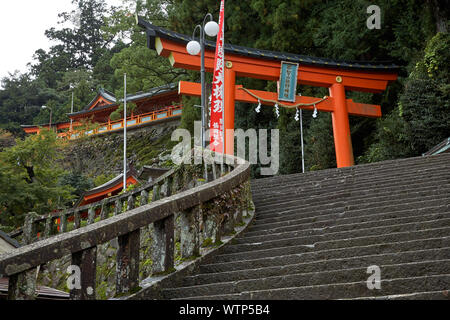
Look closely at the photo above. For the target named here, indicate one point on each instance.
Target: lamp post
(50, 125)
(301, 137)
(211, 28)
(124, 132)
(71, 110)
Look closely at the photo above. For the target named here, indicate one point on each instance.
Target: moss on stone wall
(103, 154)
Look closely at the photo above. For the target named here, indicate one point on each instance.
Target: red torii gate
(338, 76)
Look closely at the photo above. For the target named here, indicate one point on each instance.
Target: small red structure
(108, 189)
(158, 104)
(115, 185)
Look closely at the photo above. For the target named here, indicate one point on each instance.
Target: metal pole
(301, 137)
(202, 77)
(124, 132)
(71, 111)
(203, 103)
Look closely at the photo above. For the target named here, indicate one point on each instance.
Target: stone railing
(198, 196)
(38, 227)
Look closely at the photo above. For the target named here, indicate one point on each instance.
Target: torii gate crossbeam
(338, 76)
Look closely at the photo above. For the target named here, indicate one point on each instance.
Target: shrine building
(157, 105)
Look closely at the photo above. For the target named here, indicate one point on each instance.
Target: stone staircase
(315, 235)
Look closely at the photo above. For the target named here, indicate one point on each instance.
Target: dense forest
(103, 43)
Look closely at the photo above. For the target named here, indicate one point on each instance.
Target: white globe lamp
(193, 48)
(212, 28)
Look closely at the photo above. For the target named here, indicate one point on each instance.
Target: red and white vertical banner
(217, 96)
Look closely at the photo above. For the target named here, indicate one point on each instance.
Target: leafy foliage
(79, 182)
(392, 140)
(422, 117)
(84, 44)
(30, 175)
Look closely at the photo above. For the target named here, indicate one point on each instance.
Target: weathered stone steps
(389, 168)
(335, 244)
(355, 198)
(289, 213)
(337, 225)
(341, 276)
(318, 187)
(296, 238)
(315, 235)
(358, 193)
(395, 248)
(298, 196)
(340, 290)
(323, 265)
(430, 295)
(355, 214)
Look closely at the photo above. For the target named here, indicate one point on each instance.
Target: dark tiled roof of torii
(155, 31)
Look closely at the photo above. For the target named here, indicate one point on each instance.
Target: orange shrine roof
(105, 99)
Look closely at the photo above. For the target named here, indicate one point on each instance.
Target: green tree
(425, 102)
(319, 143)
(422, 116)
(21, 100)
(391, 140)
(79, 182)
(84, 88)
(30, 173)
(84, 43)
(144, 68)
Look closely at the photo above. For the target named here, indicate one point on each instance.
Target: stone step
(377, 175)
(369, 187)
(413, 186)
(286, 211)
(293, 218)
(335, 220)
(337, 225)
(396, 166)
(301, 192)
(300, 200)
(430, 295)
(340, 276)
(296, 238)
(374, 179)
(340, 290)
(334, 244)
(365, 167)
(405, 248)
(337, 192)
(322, 265)
(358, 193)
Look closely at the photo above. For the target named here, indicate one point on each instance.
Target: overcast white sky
(22, 26)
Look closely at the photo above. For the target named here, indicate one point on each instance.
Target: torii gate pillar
(341, 127)
(230, 92)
